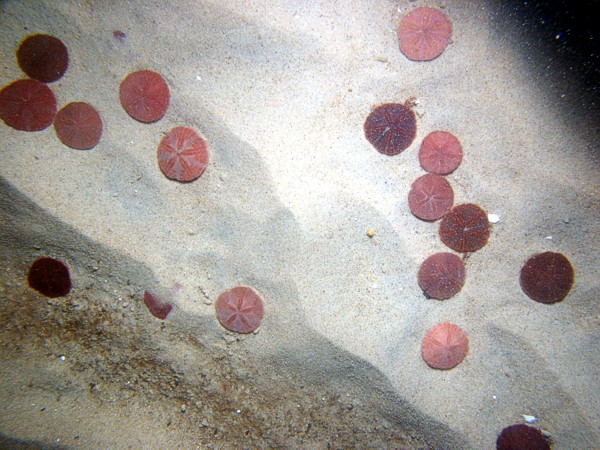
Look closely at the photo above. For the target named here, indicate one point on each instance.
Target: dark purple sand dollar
(43, 57)
(50, 277)
(547, 277)
(391, 128)
(521, 437)
(240, 309)
(430, 197)
(442, 275)
(465, 228)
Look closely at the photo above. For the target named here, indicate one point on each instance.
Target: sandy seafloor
(280, 91)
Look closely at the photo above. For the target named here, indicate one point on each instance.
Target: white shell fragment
(529, 419)
(493, 218)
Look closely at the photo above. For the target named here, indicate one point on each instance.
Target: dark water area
(561, 40)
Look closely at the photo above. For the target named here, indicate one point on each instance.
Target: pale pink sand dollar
(430, 197)
(182, 154)
(424, 33)
(240, 309)
(444, 346)
(440, 153)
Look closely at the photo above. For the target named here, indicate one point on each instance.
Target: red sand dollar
(49, 277)
(547, 277)
(444, 346)
(182, 154)
(391, 128)
(240, 309)
(430, 197)
(440, 153)
(43, 57)
(78, 125)
(158, 307)
(521, 437)
(145, 95)
(27, 105)
(465, 228)
(424, 33)
(442, 275)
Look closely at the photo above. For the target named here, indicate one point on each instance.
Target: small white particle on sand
(549, 238)
(493, 218)
(529, 419)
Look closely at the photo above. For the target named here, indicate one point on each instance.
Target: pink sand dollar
(240, 309)
(430, 197)
(440, 153)
(145, 95)
(424, 33)
(444, 346)
(182, 154)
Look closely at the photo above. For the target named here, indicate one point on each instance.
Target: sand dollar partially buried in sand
(521, 437)
(424, 33)
(444, 346)
(158, 306)
(240, 309)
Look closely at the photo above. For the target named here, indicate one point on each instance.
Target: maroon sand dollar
(521, 437)
(145, 95)
(158, 307)
(440, 153)
(391, 127)
(43, 57)
(465, 228)
(182, 154)
(424, 33)
(50, 277)
(78, 125)
(240, 309)
(547, 277)
(27, 105)
(442, 275)
(430, 197)
(444, 346)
